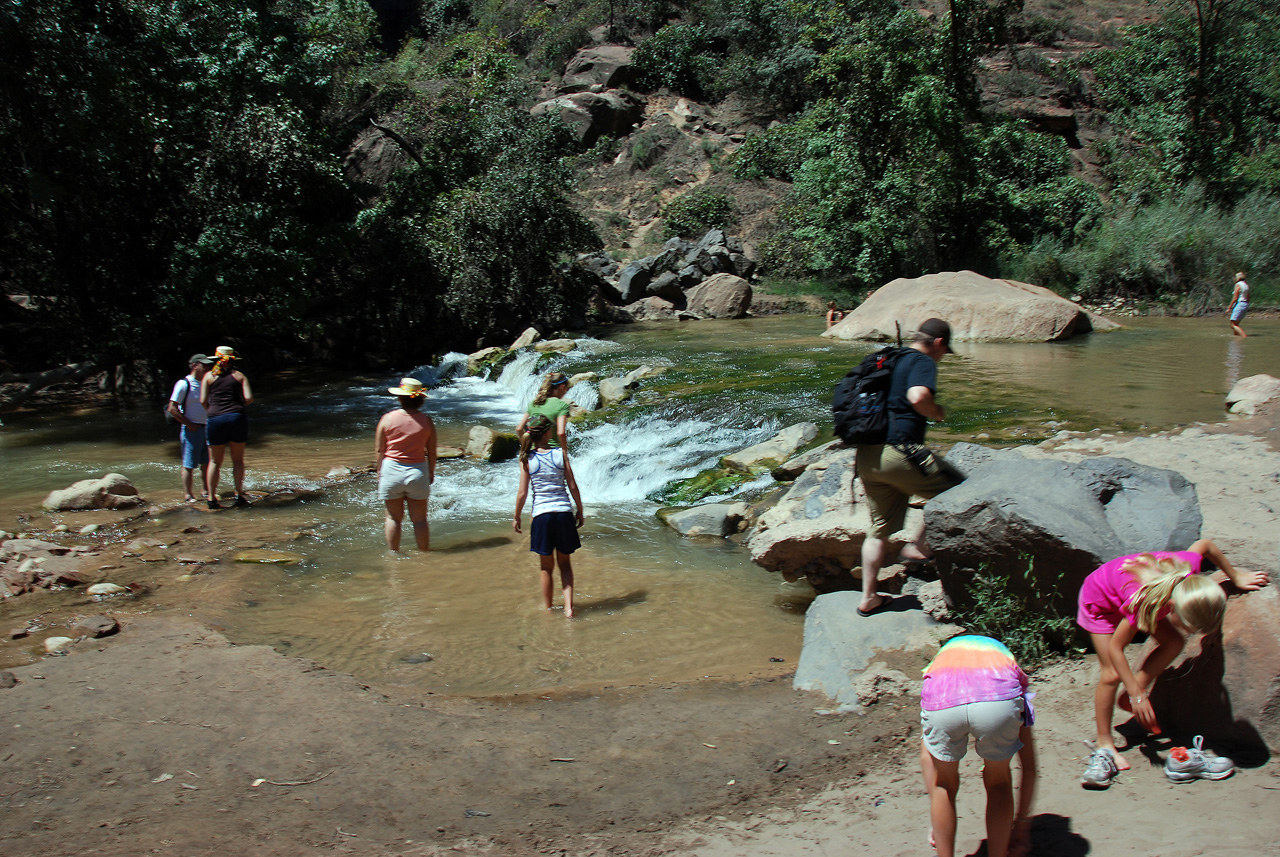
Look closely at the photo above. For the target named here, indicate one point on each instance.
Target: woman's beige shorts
(995, 725)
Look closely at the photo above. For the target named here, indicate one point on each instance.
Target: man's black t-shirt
(913, 369)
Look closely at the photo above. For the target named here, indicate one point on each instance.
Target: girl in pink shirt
(1162, 594)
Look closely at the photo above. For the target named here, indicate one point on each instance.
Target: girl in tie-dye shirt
(974, 687)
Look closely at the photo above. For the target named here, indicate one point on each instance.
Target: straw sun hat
(227, 351)
(408, 387)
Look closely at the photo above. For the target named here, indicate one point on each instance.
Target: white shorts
(995, 725)
(397, 480)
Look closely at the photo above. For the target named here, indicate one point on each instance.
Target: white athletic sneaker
(1101, 771)
(1186, 764)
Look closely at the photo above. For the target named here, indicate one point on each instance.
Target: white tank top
(546, 478)
(1244, 291)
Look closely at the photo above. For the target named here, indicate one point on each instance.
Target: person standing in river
(184, 406)
(1239, 304)
(553, 535)
(406, 446)
(549, 402)
(225, 393)
(902, 466)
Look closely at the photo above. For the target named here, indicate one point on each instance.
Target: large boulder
(592, 115)
(1069, 518)
(1248, 393)
(816, 528)
(1228, 691)
(488, 445)
(602, 66)
(720, 296)
(840, 645)
(652, 309)
(773, 451)
(112, 491)
(615, 390)
(977, 307)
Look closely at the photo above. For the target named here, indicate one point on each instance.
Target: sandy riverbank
(708, 769)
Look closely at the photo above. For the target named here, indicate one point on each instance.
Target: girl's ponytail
(1198, 601)
(553, 379)
(537, 426)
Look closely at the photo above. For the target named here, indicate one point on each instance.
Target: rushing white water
(617, 464)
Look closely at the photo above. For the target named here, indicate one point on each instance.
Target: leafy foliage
(1018, 613)
(692, 214)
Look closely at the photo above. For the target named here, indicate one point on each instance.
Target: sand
(169, 739)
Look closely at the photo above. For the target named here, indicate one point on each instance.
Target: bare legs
(548, 564)
(1237, 330)
(873, 555)
(189, 479)
(942, 781)
(417, 516)
(216, 454)
(1168, 644)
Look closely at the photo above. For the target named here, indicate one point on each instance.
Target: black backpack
(860, 403)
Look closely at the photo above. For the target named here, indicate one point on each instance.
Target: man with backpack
(902, 466)
(184, 407)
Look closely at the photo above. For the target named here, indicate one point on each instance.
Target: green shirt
(551, 409)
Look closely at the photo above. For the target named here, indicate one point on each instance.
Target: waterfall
(617, 464)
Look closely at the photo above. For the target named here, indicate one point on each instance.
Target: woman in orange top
(406, 443)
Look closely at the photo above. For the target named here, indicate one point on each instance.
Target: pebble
(89, 529)
(7, 680)
(268, 556)
(421, 658)
(104, 590)
(96, 626)
(62, 528)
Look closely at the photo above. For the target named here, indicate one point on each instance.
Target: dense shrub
(693, 213)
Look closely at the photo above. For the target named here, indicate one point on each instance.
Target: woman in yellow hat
(406, 443)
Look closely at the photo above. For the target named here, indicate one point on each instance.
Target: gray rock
(560, 346)
(721, 296)
(95, 626)
(979, 309)
(711, 519)
(1248, 393)
(666, 285)
(1070, 518)
(651, 309)
(7, 680)
(615, 390)
(526, 339)
(793, 467)
(592, 115)
(839, 645)
(773, 451)
(112, 491)
(604, 65)
(633, 281)
(32, 547)
(488, 445)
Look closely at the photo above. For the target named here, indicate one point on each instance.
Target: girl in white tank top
(554, 534)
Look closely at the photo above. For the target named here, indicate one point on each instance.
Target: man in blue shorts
(184, 406)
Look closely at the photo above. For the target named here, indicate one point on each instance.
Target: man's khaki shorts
(891, 480)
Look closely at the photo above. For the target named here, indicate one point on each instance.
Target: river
(653, 607)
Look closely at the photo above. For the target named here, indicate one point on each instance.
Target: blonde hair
(1198, 602)
(553, 379)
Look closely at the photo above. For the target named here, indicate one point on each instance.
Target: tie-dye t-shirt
(971, 669)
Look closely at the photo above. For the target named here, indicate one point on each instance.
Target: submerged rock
(712, 519)
(266, 555)
(488, 445)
